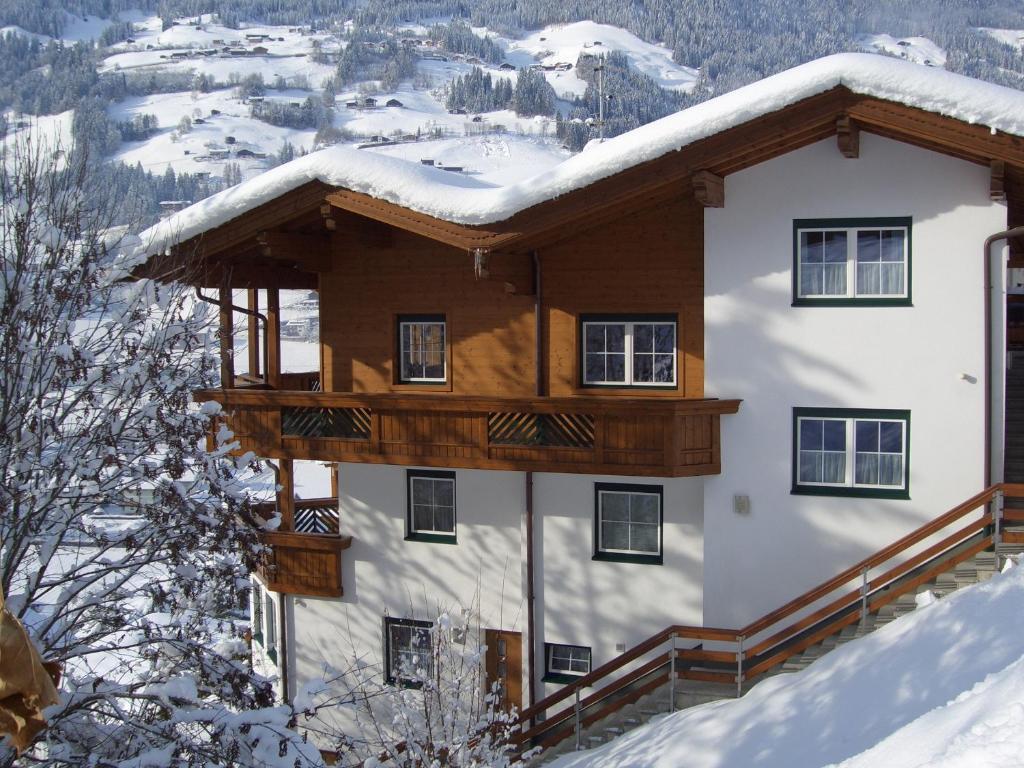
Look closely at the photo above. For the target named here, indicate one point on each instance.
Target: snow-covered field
(943, 686)
(919, 50)
(563, 43)
(1011, 37)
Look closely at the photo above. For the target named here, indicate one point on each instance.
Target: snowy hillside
(942, 686)
(919, 50)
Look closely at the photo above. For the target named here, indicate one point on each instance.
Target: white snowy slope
(919, 50)
(563, 43)
(1011, 37)
(459, 199)
(943, 686)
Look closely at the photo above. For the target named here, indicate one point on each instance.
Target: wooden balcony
(654, 436)
(306, 561)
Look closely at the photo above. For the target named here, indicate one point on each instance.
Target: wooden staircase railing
(737, 656)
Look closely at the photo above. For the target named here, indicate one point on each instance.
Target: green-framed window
(565, 663)
(628, 522)
(842, 262)
(851, 452)
(430, 514)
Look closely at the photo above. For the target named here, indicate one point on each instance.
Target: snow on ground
(497, 159)
(191, 152)
(563, 43)
(1011, 37)
(919, 50)
(943, 686)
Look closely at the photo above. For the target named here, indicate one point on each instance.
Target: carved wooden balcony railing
(656, 436)
(306, 561)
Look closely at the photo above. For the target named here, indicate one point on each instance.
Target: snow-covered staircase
(690, 693)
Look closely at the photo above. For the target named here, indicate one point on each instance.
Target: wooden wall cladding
(646, 262)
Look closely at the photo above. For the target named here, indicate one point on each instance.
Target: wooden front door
(504, 666)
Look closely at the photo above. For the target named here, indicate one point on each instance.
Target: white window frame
(432, 534)
(851, 227)
(550, 655)
(270, 626)
(410, 321)
(602, 491)
(629, 324)
(850, 418)
(256, 620)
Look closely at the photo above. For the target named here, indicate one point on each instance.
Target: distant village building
(507, 67)
(260, 50)
(393, 103)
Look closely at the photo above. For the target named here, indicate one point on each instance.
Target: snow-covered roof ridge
(462, 200)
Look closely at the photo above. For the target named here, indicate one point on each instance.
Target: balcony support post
(254, 333)
(227, 335)
(273, 339)
(286, 496)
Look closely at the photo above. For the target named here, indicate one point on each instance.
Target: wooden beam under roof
(309, 253)
(708, 189)
(847, 137)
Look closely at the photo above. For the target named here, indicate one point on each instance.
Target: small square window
(422, 349)
(565, 663)
(407, 650)
(844, 261)
(431, 506)
(851, 452)
(628, 523)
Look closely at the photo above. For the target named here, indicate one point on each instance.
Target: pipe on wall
(531, 636)
(1006, 234)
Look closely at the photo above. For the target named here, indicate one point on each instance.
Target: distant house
(245, 153)
(369, 102)
(214, 112)
(219, 154)
(256, 38)
(507, 67)
(260, 50)
(351, 105)
(393, 103)
(170, 206)
(229, 139)
(198, 121)
(218, 41)
(457, 111)
(478, 118)
(238, 52)
(425, 161)
(452, 168)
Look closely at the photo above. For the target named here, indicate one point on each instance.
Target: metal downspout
(987, 266)
(531, 637)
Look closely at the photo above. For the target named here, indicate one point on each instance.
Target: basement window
(421, 349)
(851, 261)
(565, 663)
(851, 452)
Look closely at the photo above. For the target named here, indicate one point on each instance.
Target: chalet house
(679, 381)
(393, 103)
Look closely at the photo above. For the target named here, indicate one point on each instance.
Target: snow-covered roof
(463, 200)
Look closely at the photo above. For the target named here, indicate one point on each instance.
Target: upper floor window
(629, 351)
(851, 452)
(422, 349)
(628, 522)
(431, 508)
(844, 261)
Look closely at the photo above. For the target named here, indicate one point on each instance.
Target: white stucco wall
(777, 357)
(383, 574)
(582, 601)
